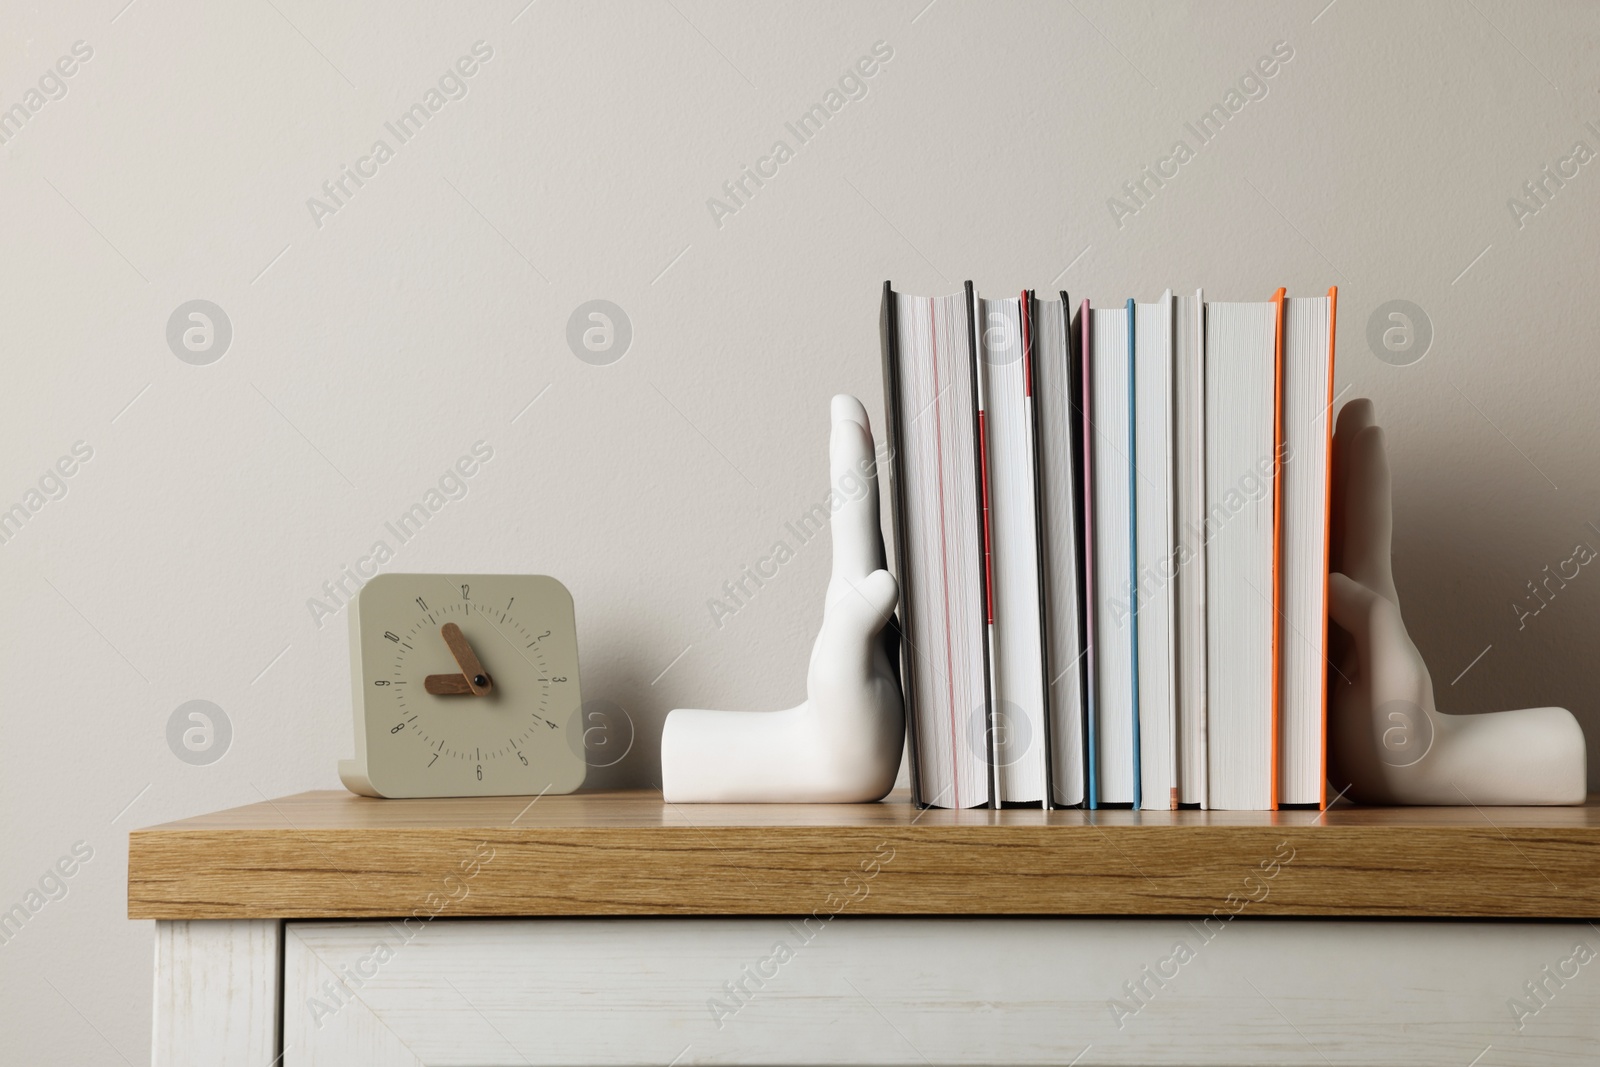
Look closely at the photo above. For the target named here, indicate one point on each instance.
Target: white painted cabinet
(920, 991)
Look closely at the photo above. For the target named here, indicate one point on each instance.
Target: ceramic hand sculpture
(843, 743)
(1386, 738)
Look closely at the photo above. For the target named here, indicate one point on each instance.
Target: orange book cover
(1277, 537)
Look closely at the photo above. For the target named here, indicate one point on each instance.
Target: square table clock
(464, 685)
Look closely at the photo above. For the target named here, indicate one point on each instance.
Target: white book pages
(1189, 456)
(941, 595)
(1240, 456)
(1307, 397)
(1155, 562)
(1055, 384)
(1113, 535)
(1019, 684)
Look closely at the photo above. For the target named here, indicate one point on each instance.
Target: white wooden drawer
(940, 991)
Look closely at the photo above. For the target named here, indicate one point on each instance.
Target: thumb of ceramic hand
(1384, 664)
(851, 623)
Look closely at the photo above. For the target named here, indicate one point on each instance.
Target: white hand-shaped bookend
(1387, 741)
(843, 743)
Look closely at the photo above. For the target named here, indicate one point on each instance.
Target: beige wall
(375, 344)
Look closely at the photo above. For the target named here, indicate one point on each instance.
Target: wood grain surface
(334, 855)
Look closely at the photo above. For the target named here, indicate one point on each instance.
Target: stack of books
(1111, 530)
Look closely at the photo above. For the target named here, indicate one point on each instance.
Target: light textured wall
(373, 345)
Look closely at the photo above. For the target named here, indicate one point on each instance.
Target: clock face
(466, 685)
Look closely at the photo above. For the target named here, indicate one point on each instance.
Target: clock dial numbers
(478, 680)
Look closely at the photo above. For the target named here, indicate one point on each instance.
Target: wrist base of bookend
(776, 757)
(1388, 743)
(1527, 757)
(841, 746)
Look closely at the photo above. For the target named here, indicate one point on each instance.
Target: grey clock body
(523, 738)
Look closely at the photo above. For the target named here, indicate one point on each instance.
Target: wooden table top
(334, 855)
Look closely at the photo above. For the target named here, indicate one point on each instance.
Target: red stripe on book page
(944, 553)
(1027, 347)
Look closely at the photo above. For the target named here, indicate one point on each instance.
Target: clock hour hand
(447, 685)
(478, 680)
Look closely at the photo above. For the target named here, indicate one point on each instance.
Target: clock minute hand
(478, 679)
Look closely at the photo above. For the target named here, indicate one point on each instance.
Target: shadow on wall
(621, 727)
